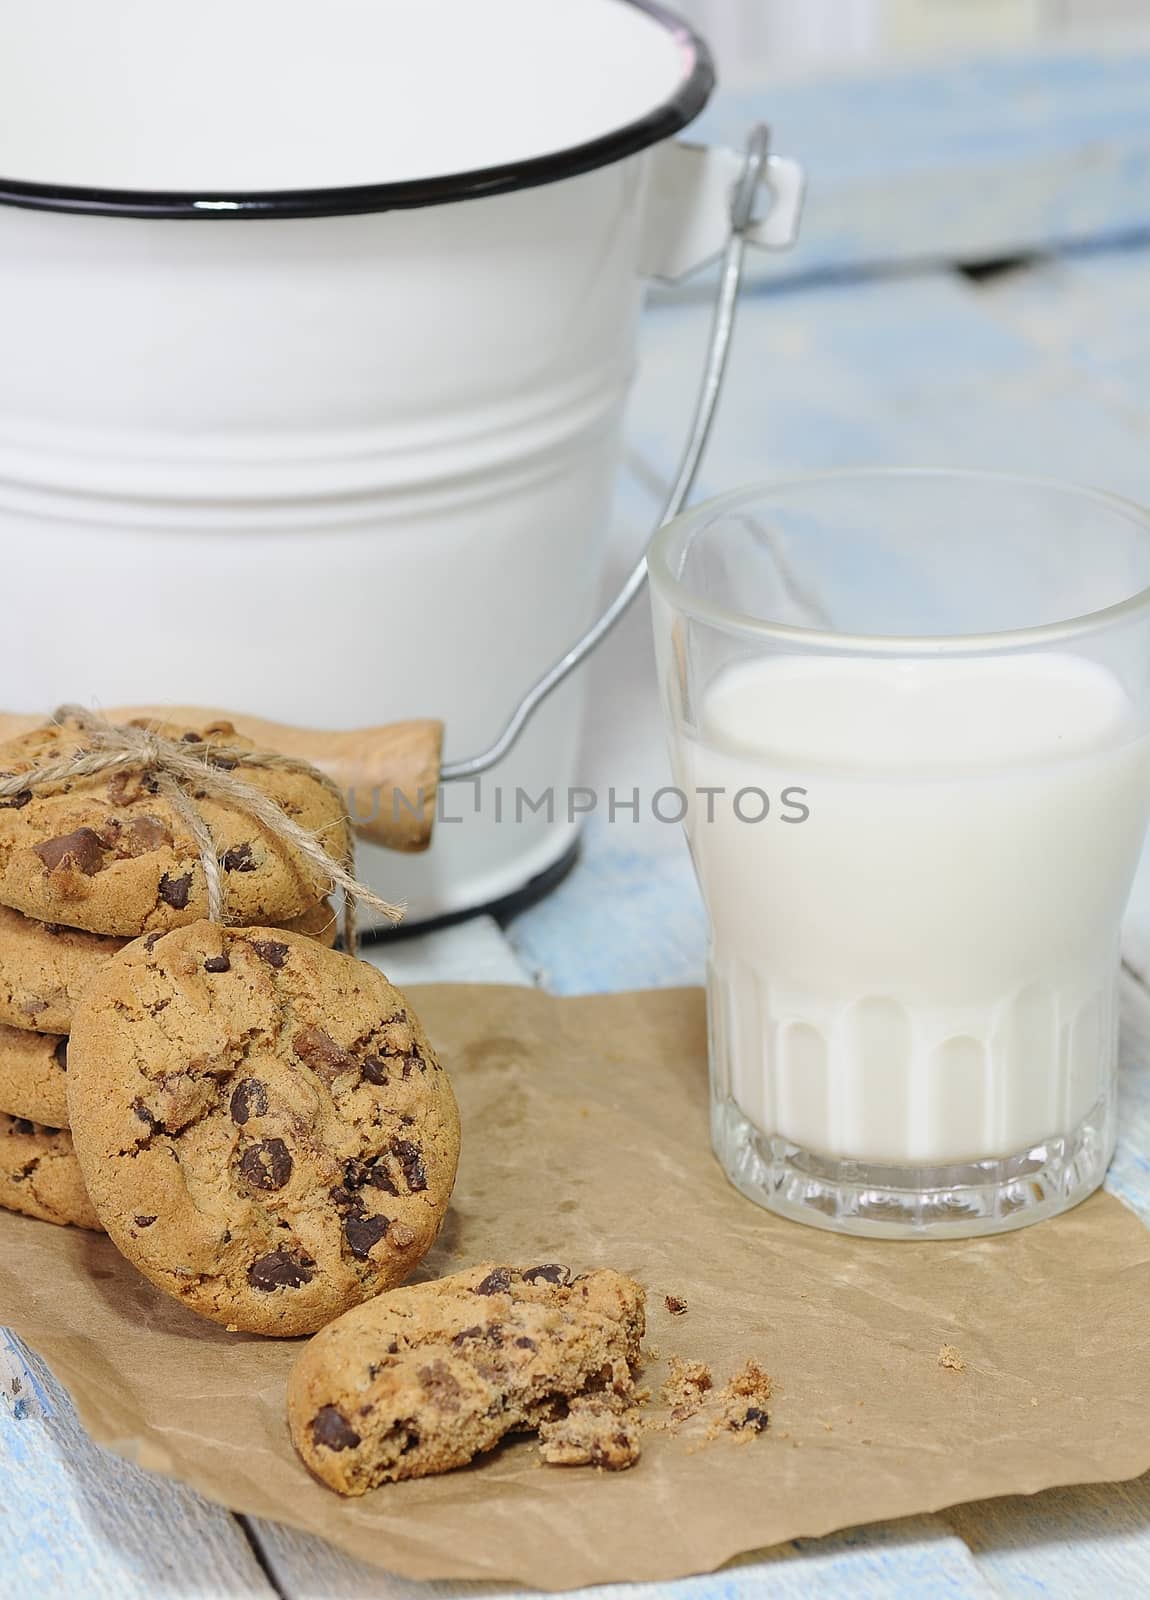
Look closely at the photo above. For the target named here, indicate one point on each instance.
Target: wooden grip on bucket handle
(390, 774)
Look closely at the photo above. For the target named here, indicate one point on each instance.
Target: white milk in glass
(922, 969)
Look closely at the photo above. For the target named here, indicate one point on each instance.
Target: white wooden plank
(913, 1558)
(76, 1519)
(468, 952)
(1074, 1542)
(958, 160)
(1087, 313)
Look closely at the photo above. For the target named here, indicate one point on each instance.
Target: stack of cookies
(259, 1122)
(94, 863)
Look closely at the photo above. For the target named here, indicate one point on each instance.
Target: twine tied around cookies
(183, 771)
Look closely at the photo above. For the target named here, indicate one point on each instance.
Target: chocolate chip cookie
(320, 922)
(44, 967)
(263, 1126)
(40, 1176)
(32, 1075)
(423, 1379)
(112, 854)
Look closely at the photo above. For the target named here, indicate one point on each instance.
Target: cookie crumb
(592, 1434)
(950, 1358)
(686, 1387)
(676, 1305)
(743, 1403)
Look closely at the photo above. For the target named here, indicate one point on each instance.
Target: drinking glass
(909, 714)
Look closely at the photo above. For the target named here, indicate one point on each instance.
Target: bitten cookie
(423, 1379)
(32, 1075)
(44, 967)
(111, 854)
(263, 1126)
(40, 1176)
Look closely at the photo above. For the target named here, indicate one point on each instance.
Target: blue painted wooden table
(882, 339)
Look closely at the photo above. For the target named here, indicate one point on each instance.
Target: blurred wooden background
(753, 36)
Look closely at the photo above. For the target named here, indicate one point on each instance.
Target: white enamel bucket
(317, 323)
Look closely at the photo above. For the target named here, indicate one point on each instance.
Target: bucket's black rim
(661, 123)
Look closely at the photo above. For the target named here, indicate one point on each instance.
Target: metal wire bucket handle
(757, 165)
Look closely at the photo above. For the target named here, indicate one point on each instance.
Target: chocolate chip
(225, 763)
(497, 1282)
(249, 1099)
(22, 1125)
(524, 1343)
(143, 1222)
(238, 859)
(280, 1270)
(362, 1233)
(320, 1051)
(410, 1158)
(143, 1113)
(174, 892)
(359, 1174)
(375, 1071)
(552, 1272)
(60, 1054)
(271, 951)
(192, 738)
(267, 1165)
(331, 1428)
(83, 849)
(217, 964)
(152, 940)
(468, 1333)
(380, 1178)
(16, 802)
(754, 1417)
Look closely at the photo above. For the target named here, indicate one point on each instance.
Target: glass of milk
(910, 713)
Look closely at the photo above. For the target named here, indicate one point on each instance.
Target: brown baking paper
(585, 1140)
